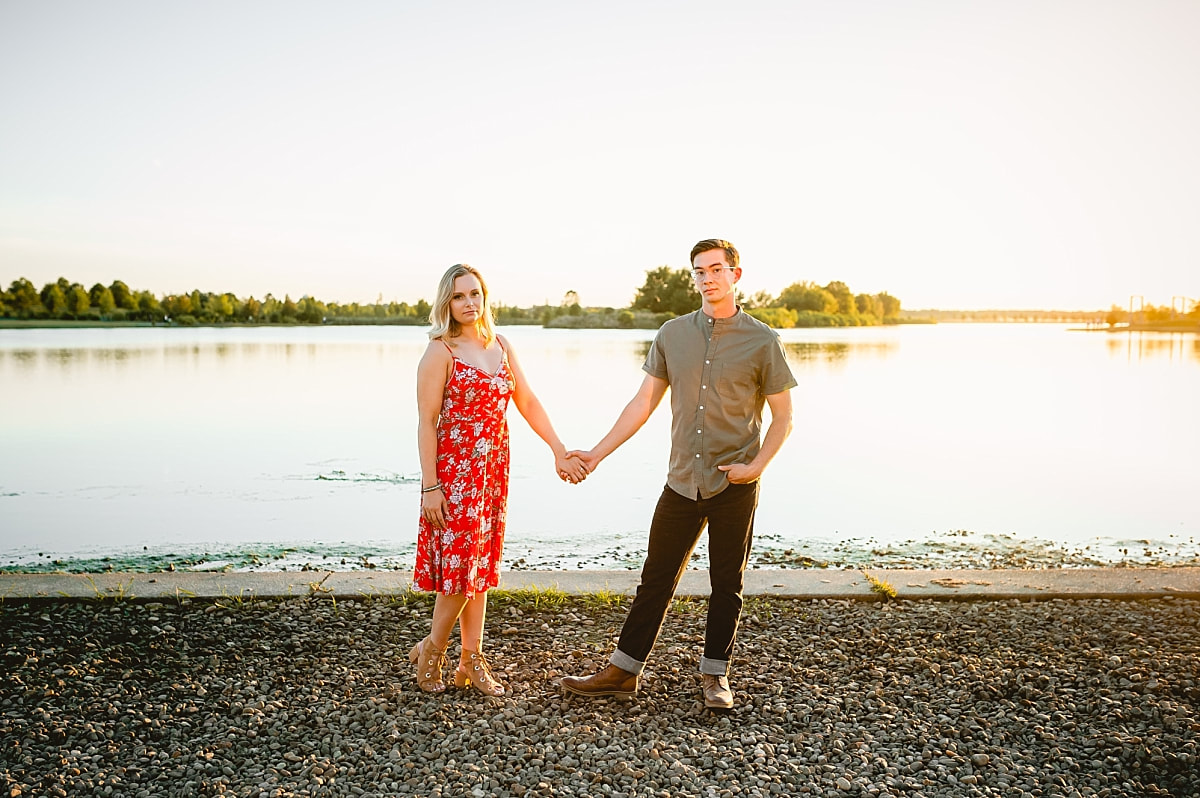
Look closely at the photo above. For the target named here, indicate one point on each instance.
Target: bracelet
(432, 488)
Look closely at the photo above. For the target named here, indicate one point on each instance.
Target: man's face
(714, 277)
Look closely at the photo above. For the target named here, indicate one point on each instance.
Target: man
(720, 364)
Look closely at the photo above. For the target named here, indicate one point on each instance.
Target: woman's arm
(433, 372)
(535, 415)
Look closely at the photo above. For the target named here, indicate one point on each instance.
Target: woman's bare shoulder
(437, 351)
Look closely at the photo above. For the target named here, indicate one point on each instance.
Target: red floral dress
(472, 466)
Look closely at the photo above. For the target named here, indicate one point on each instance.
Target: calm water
(278, 447)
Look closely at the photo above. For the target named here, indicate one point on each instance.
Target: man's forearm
(777, 433)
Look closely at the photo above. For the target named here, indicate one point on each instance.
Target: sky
(956, 154)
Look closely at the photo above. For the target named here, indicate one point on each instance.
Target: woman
(465, 380)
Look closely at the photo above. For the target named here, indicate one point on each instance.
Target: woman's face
(466, 301)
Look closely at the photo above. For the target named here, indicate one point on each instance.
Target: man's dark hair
(731, 253)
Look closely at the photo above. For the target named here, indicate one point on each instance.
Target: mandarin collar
(715, 322)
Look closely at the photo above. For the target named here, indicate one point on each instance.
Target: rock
(285, 697)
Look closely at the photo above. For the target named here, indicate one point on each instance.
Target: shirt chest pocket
(737, 382)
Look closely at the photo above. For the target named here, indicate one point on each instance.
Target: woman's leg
(429, 655)
(446, 610)
(473, 668)
(471, 624)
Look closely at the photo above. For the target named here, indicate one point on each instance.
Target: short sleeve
(656, 362)
(776, 374)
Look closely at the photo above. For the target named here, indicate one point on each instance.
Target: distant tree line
(801, 304)
(64, 300)
(1178, 314)
(666, 293)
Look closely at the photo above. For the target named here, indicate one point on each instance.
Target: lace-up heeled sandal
(475, 672)
(428, 661)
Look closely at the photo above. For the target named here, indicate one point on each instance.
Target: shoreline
(873, 584)
(772, 551)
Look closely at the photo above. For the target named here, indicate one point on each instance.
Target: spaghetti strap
(448, 349)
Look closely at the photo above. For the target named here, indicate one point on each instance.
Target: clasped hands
(571, 467)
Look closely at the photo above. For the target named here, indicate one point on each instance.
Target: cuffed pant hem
(713, 667)
(626, 662)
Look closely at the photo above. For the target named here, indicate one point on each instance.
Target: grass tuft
(880, 586)
(530, 598)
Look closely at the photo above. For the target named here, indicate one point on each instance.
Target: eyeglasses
(715, 272)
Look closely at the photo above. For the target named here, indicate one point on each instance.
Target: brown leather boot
(717, 694)
(610, 681)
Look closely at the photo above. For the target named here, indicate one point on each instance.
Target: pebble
(311, 697)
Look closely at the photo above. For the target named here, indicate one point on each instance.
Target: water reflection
(836, 353)
(25, 359)
(1136, 345)
(803, 352)
(259, 425)
(813, 351)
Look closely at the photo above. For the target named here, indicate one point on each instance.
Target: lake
(292, 447)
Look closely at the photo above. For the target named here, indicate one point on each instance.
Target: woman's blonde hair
(442, 320)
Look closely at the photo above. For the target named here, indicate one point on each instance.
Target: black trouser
(674, 532)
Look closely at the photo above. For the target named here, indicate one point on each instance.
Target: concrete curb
(1074, 583)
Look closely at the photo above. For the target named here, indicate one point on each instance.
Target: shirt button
(704, 387)
(707, 362)
(697, 457)
(699, 431)
(701, 407)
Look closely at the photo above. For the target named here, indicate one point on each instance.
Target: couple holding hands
(721, 365)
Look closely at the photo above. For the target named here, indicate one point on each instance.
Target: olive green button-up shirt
(720, 372)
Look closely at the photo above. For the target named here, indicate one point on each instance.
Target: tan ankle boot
(428, 661)
(475, 672)
(610, 681)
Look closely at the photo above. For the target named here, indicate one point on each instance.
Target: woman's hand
(589, 459)
(433, 508)
(570, 469)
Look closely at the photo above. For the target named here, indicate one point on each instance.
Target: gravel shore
(314, 697)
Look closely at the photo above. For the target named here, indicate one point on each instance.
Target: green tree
(54, 300)
(288, 311)
(570, 304)
(101, 297)
(199, 302)
(310, 310)
(122, 296)
(270, 309)
(779, 318)
(77, 300)
(221, 306)
(177, 305)
(249, 310)
(667, 290)
(845, 299)
(808, 296)
(868, 305)
(423, 309)
(148, 306)
(759, 299)
(889, 305)
(24, 301)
